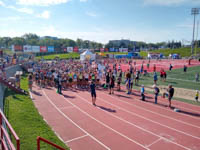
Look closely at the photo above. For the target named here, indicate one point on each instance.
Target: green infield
(26, 120)
(60, 56)
(177, 78)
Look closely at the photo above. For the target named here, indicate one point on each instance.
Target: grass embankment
(60, 56)
(183, 52)
(26, 120)
(178, 79)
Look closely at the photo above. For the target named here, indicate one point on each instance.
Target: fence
(6, 143)
(48, 142)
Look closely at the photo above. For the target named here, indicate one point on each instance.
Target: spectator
(184, 68)
(155, 77)
(156, 92)
(197, 77)
(170, 94)
(170, 67)
(142, 93)
(197, 95)
(93, 92)
(59, 84)
(30, 81)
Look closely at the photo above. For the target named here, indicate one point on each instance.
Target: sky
(100, 20)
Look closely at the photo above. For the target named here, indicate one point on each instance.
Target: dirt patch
(179, 92)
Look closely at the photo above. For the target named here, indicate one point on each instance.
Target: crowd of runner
(64, 74)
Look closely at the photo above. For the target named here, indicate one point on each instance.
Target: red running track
(118, 121)
(161, 64)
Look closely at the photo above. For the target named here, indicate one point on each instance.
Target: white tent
(87, 55)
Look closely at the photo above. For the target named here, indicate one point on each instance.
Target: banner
(50, 48)
(69, 49)
(64, 49)
(112, 49)
(123, 49)
(17, 48)
(76, 49)
(106, 49)
(27, 48)
(43, 49)
(101, 49)
(35, 49)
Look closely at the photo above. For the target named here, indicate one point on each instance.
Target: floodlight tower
(195, 11)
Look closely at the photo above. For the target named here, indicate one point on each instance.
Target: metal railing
(48, 142)
(6, 143)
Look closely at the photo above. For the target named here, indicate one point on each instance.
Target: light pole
(195, 11)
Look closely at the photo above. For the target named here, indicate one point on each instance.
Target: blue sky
(100, 20)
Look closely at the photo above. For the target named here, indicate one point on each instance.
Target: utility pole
(195, 11)
(196, 45)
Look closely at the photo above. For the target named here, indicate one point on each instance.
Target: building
(49, 37)
(121, 43)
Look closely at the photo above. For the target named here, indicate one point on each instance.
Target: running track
(163, 64)
(119, 121)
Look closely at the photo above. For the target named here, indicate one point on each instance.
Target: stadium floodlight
(195, 11)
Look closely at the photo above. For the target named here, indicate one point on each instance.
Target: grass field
(177, 78)
(26, 120)
(183, 52)
(60, 56)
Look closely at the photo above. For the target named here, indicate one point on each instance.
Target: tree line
(59, 43)
(33, 39)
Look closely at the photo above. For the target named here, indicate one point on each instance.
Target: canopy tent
(87, 55)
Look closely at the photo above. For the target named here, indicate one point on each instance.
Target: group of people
(64, 74)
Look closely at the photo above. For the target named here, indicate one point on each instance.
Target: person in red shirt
(154, 68)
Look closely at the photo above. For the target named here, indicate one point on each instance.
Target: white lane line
(104, 124)
(134, 124)
(68, 107)
(74, 122)
(150, 119)
(155, 112)
(156, 141)
(74, 139)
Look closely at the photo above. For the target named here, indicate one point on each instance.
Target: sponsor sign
(123, 49)
(112, 49)
(50, 48)
(76, 49)
(101, 49)
(17, 48)
(35, 49)
(43, 49)
(65, 49)
(27, 48)
(69, 49)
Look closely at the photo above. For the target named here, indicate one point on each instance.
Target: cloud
(170, 2)
(2, 3)
(83, 0)
(25, 10)
(11, 18)
(45, 14)
(41, 2)
(91, 14)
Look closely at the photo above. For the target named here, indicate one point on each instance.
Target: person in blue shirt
(155, 77)
(93, 92)
(142, 93)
